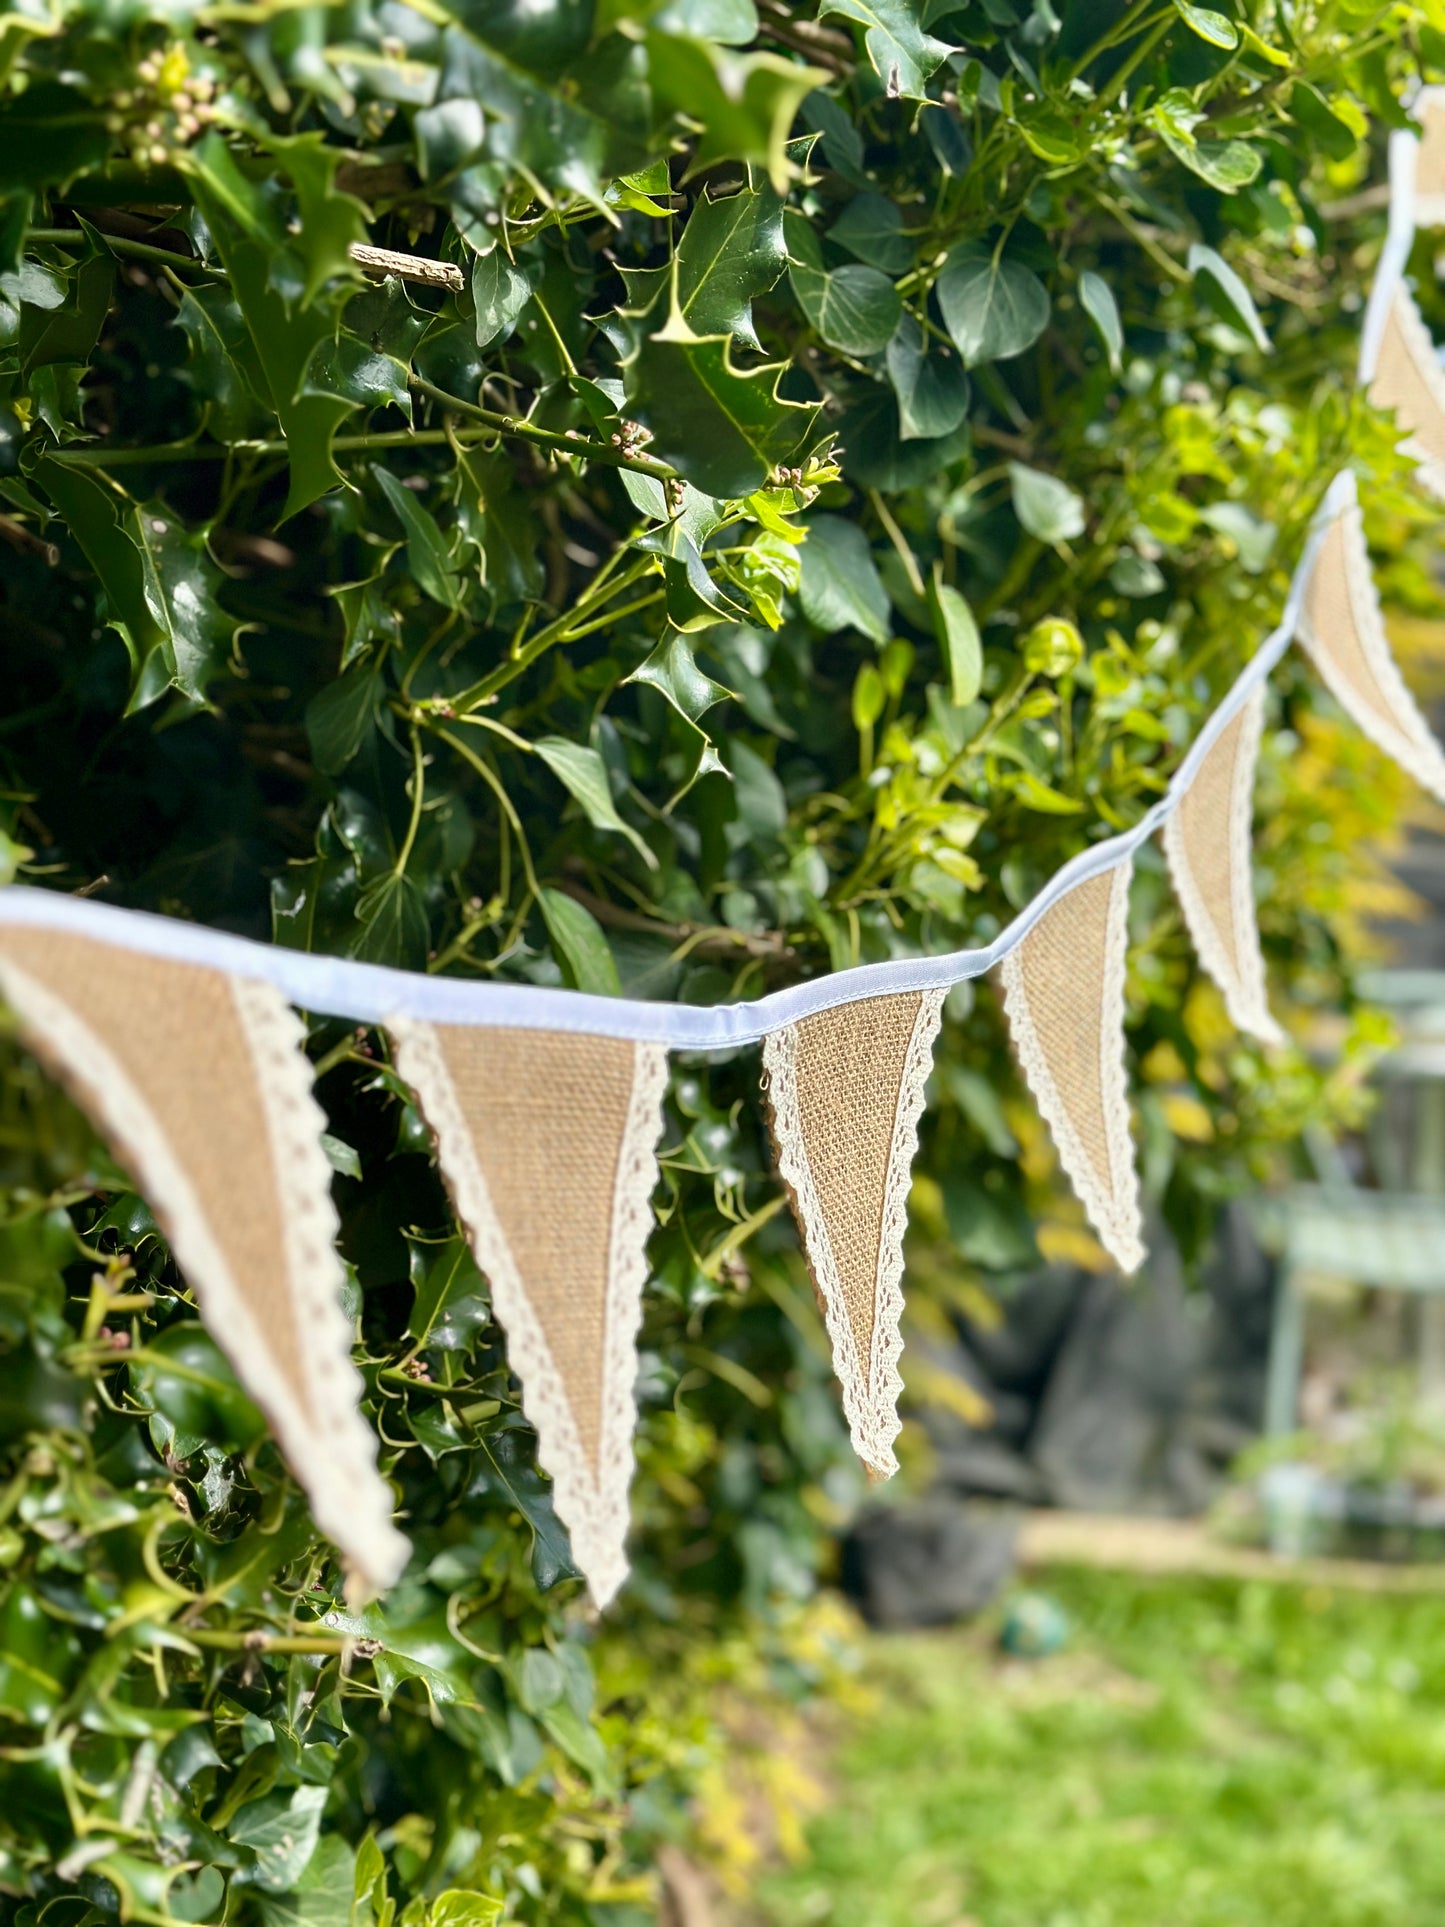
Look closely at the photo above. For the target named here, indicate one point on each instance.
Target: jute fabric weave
(1344, 632)
(1408, 378)
(1430, 160)
(200, 1084)
(548, 1143)
(1064, 993)
(1209, 843)
(845, 1091)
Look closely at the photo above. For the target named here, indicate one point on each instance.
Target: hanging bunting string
(183, 1050)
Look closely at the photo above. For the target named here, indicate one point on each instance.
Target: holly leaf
(221, 368)
(496, 519)
(740, 106)
(452, 1301)
(731, 250)
(672, 669)
(903, 55)
(286, 334)
(725, 430)
(158, 579)
(369, 362)
(329, 221)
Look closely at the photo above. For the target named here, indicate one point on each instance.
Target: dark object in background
(1111, 1394)
(927, 1561)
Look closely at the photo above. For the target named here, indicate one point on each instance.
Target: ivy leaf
(427, 555)
(587, 963)
(394, 925)
(1096, 298)
(930, 384)
(840, 586)
(500, 291)
(903, 55)
(281, 1830)
(854, 308)
(723, 429)
(1237, 300)
(339, 716)
(958, 638)
(582, 771)
(872, 228)
(1210, 26)
(1225, 164)
(322, 1896)
(1048, 508)
(1313, 112)
(992, 306)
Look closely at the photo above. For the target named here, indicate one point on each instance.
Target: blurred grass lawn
(1204, 1753)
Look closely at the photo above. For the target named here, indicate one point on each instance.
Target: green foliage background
(857, 452)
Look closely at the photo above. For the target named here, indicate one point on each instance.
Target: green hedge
(857, 452)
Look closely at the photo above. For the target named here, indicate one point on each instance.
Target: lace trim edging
(1240, 977)
(1113, 1210)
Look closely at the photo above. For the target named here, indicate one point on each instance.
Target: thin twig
(411, 267)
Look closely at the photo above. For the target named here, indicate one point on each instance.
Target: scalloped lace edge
(1421, 350)
(1113, 1211)
(592, 1507)
(870, 1400)
(1241, 977)
(331, 1449)
(1411, 744)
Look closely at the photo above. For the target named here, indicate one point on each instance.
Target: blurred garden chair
(1389, 1238)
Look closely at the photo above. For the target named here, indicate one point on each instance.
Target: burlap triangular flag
(1342, 628)
(548, 1143)
(1430, 158)
(1210, 848)
(1408, 378)
(1064, 993)
(200, 1083)
(845, 1092)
